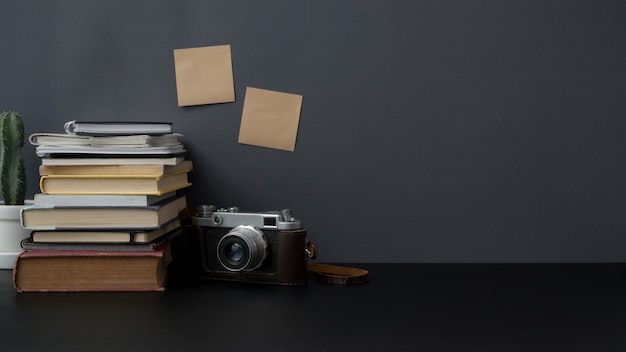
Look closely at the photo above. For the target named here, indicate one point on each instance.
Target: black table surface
(404, 307)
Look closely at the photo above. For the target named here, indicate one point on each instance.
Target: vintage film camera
(264, 247)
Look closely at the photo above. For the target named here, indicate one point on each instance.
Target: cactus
(12, 174)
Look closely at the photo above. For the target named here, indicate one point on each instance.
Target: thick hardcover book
(151, 160)
(113, 169)
(29, 245)
(92, 271)
(43, 217)
(137, 141)
(109, 200)
(100, 128)
(104, 237)
(114, 184)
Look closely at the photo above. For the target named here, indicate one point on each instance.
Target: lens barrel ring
(243, 248)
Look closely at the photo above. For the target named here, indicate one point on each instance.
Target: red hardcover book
(102, 271)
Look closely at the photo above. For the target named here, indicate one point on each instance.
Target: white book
(98, 128)
(109, 200)
(169, 160)
(47, 150)
(141, 140)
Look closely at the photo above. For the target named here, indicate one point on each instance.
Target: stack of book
(111, 194)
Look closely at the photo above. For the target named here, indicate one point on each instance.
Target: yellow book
(114, 184)
(111, 236)
(135, 170)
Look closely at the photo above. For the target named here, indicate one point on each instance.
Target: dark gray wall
(431, 131)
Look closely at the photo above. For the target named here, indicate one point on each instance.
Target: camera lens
(234, 252)
(242, 249)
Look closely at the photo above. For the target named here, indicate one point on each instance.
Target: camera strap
(337, 275)
(333, 274)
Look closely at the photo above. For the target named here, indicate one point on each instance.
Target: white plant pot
(11, 234)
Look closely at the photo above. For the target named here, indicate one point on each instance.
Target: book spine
(69, 127)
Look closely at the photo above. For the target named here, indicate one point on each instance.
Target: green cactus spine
(12, 174)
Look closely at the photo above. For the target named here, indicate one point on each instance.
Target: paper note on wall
(270, 119)
(204, 75)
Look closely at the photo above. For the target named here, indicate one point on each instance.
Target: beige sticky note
(270, 119)
(204, 75)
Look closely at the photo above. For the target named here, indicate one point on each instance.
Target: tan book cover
(95, 236)
(131, 170)
(114, 184)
